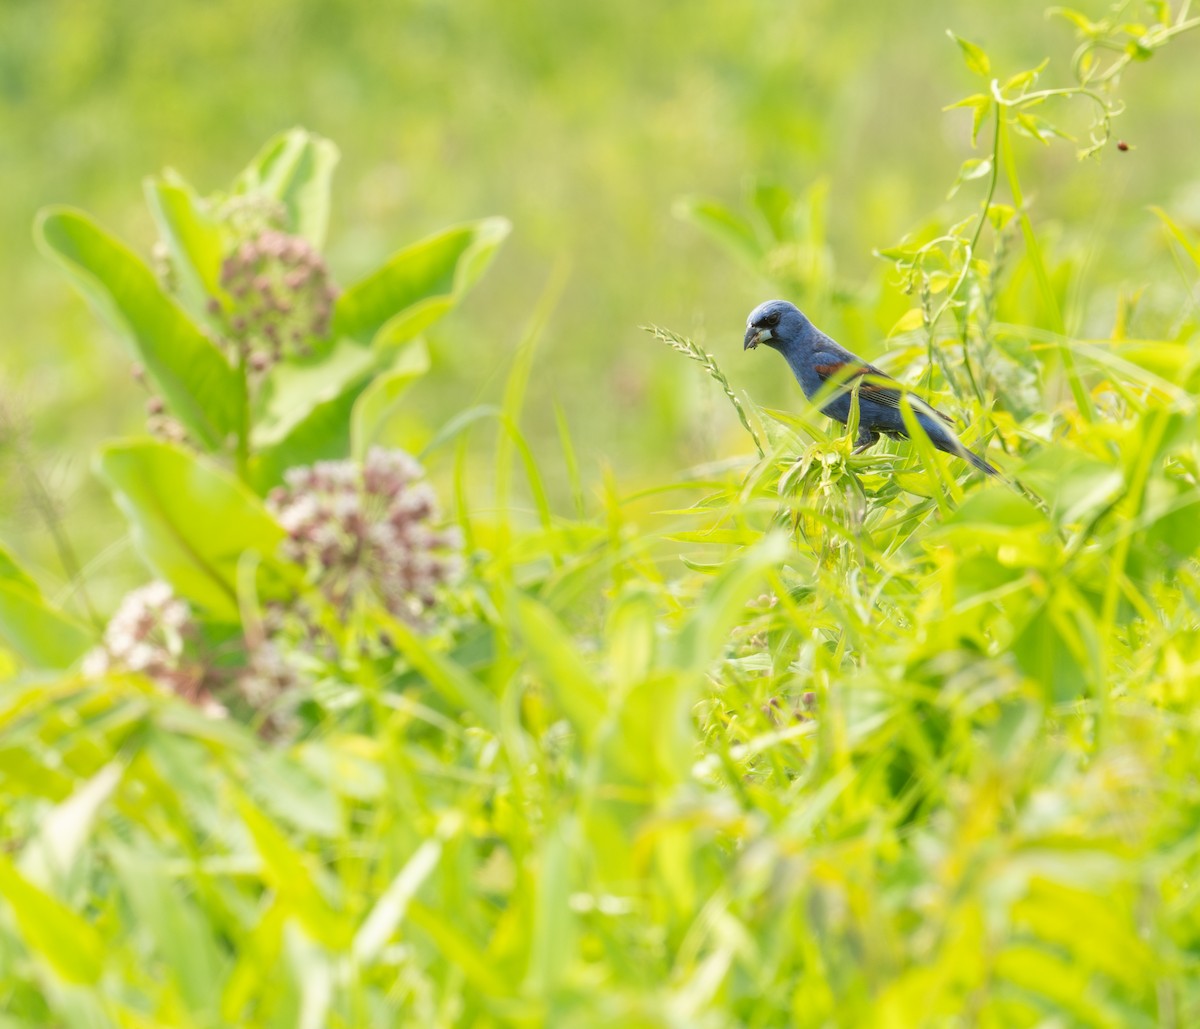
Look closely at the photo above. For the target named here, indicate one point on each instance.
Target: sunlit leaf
(722, 224)
(296, 168)
(974, 56)
(419, 284)
(203, 391)
(60, 938)
(191, 520)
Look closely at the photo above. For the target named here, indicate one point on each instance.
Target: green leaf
(193, 239)
(776, 205)
(182, 931)
(290, 873)
(31, 626)
(974, 168)
(444, 676)
(703, 635)
(379, 402)
(294, 388)
(1177, 234)
(721, 224)
(1086, 26)
(54, 933)
(560, 667)
(38, 632)
(389, 910)
(323, 434)
(13, 574)
(981, 106)
(52, 852)
(192, 521)
(296, 168)
(418, 284)
(976, 59)
(1024, 78)
(1038, 128)
(204, 392)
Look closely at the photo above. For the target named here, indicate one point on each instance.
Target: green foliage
(803, 737)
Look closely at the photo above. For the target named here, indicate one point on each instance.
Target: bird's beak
(755, 336)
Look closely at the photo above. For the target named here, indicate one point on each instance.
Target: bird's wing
(829, 367)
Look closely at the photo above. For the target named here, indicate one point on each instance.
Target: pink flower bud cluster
(153, 633)
(368, 530)
(282, 298)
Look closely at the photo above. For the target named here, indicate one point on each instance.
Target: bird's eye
(772, 319)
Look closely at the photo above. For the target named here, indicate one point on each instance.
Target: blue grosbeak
(815, 360)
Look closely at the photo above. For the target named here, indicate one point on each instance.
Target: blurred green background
(584, 124)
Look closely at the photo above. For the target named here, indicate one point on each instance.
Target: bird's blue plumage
(816, 360)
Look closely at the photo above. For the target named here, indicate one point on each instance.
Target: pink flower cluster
(368, 531)
(153, 633)
(364, 531)
(282, 298)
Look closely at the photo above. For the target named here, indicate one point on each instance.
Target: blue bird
(815, 359)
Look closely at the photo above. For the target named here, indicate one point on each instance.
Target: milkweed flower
(153, 634)
(368, 530)
(280, 298)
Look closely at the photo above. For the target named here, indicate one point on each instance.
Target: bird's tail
(945, 440)
(978, 462)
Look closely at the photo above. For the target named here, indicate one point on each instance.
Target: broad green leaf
(380, 401)
(291, 793)
(323, 434)
(290, 873)
(418, 284)
(324, 398)
(295, 388)
(191, 520)
(204, 392)
(31, 626)
(296, 168)
(973, 54)
(193, 239)
(54, 933)
(722, 224)
(776, 205)
(14, 575)
(38, 632)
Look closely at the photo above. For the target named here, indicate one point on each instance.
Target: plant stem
(1082, 399)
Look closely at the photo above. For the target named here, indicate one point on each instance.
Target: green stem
(1082, 399)
(242, 457)
(43, 503)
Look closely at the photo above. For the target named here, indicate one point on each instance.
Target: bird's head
(775, 323)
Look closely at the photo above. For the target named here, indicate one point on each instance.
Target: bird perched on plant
(815, 360)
